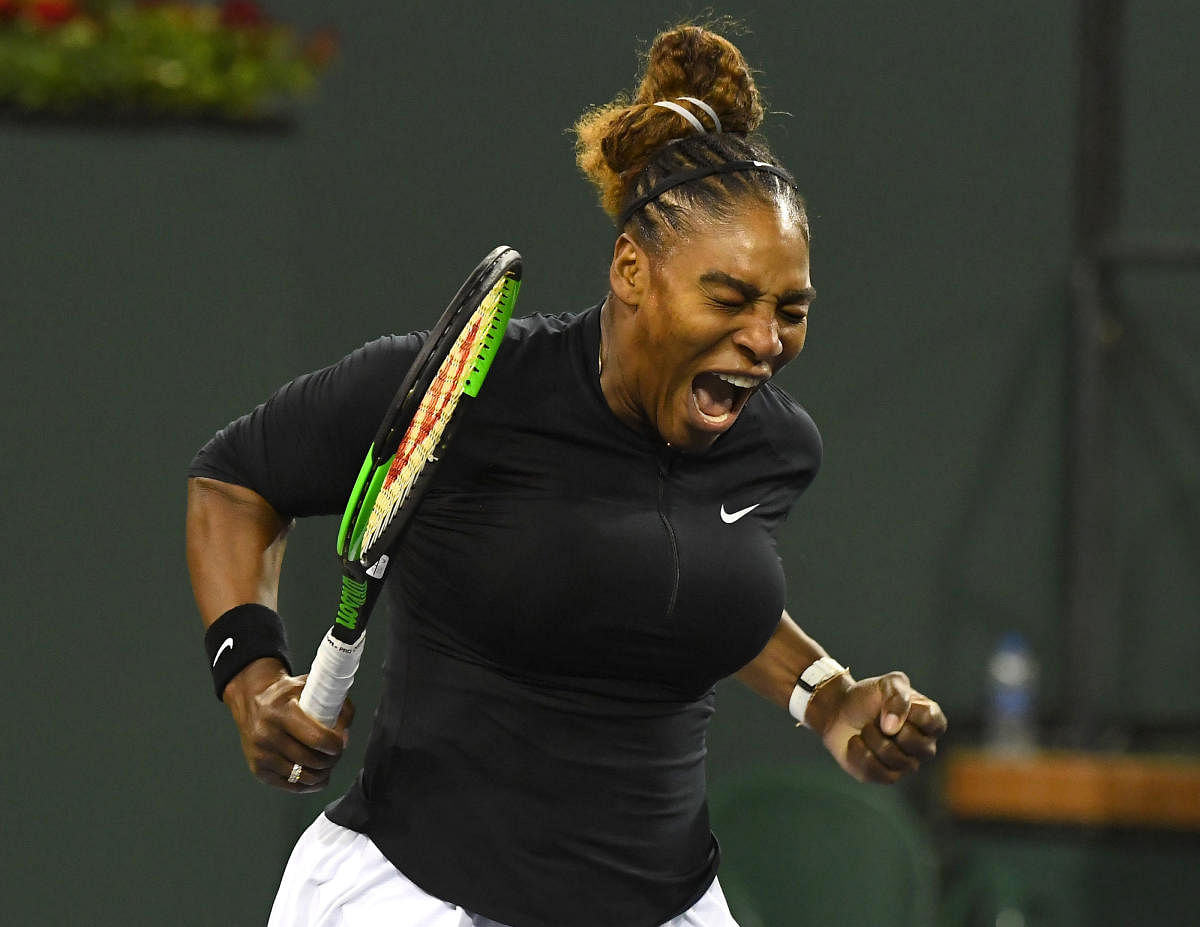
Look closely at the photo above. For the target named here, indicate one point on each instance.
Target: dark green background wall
(156, 283)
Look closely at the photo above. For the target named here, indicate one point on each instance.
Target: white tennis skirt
(337, 877)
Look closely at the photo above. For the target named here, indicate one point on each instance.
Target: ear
(629, 271)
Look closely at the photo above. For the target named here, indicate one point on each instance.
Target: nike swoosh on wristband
(730, 517)
(226, 644)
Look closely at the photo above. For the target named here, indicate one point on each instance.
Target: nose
(759, 335)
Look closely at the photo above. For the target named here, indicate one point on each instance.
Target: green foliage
(160, 59)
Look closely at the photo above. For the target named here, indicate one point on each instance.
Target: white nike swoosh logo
(730, 517)
(226, 644)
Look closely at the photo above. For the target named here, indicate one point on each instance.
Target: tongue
(714, 397)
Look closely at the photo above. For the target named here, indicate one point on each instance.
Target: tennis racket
(401, 461)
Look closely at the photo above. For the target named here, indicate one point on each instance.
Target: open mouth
(719, 397)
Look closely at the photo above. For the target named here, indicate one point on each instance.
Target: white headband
(696, 123)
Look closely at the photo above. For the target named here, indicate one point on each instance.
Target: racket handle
(330, 678)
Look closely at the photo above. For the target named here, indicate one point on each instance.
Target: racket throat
(356, 598)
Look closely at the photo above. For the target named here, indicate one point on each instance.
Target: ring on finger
(294, 775)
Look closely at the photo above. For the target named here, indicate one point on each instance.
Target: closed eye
(729, 290)
(795, 304)
(732, 294)
(731, 303)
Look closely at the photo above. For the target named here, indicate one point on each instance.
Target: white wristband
(818, 673)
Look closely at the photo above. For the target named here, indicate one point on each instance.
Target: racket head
(465, 340)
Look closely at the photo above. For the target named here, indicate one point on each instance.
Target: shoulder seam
(799, 411)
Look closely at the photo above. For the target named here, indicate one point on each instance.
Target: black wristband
(242, 635)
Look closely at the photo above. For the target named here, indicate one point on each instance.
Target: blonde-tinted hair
(627, 146)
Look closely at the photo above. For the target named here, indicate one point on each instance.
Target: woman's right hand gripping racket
(401, 460)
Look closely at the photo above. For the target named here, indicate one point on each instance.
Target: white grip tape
(330, 678)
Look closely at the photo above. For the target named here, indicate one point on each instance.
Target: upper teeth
(737, 380)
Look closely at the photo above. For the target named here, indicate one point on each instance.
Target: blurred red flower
(52, 12)
(321, 47)
(241, 14)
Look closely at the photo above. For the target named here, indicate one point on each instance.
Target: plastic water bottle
(1011, 721)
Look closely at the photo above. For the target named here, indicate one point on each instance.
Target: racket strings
(420, 442)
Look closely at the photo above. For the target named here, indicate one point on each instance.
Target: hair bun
(616, 140)
(692, 61)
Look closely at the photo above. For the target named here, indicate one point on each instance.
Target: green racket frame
(379, 458)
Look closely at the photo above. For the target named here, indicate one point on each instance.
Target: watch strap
(814, 676)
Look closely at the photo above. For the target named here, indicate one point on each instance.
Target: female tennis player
(596, 552)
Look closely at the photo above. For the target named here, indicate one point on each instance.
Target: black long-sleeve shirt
(567, 596)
